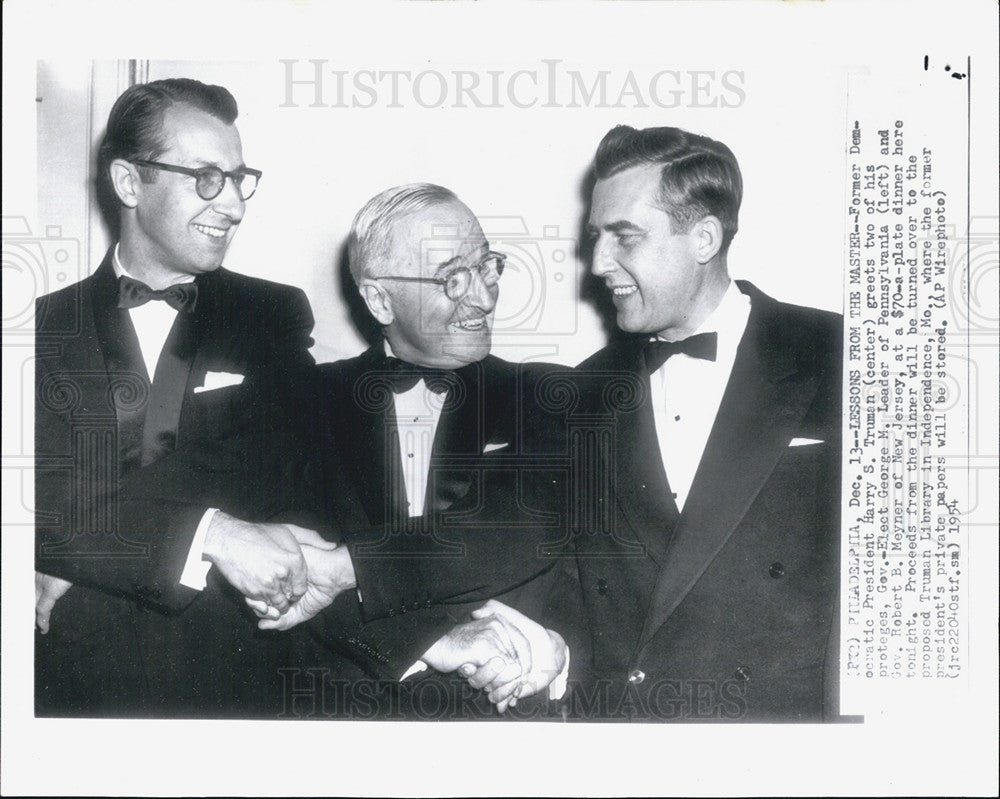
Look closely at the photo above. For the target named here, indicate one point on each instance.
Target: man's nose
(480, 295)
(230, 202)
(602, 261)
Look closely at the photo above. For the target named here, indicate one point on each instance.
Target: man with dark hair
(135, 129)
(159, 351)
(712, 593)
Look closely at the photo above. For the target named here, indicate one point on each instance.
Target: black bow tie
(133, 293)
(405, 376)
(701, 346)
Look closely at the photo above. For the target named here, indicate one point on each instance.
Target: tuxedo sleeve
(132, 536)
(388, 647)
(477, 564)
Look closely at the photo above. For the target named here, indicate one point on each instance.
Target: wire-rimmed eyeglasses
(457, 282)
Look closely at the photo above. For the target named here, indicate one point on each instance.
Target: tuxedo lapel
(461, 434)
(640, 479)
(170, 383)
(128, 383)
(765, 399)
(368, 425)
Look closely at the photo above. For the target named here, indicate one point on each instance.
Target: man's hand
(491, 651)
(261, 561)
(329, 572)
(547, 659)
(47, 592)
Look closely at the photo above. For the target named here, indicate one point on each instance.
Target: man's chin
(627, 324)
(465, 350)
(205, 267)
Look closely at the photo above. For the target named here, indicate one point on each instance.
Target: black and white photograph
(588, 377)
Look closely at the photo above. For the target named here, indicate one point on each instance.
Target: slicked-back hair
(699, 176)
(370, 242)
(135, 128)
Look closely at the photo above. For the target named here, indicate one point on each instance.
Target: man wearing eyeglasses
(156, 352)
(425, 421)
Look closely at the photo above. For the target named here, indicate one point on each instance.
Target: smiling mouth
(471, 324)
(212, 232)
(623, 291)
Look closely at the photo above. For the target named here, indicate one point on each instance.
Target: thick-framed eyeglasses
(457, 282)
(210, 180)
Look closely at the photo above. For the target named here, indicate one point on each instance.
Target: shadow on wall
(592, 289)
(362, 320)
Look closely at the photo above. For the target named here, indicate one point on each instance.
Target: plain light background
(521, 170)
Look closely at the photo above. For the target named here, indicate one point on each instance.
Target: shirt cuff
(416, 668)
(557, 688)
(195, 574)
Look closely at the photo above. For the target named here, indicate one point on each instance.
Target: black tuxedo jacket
(729, 611)
(480, 533)
(110, 504)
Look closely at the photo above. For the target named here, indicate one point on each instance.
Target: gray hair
(370, 240)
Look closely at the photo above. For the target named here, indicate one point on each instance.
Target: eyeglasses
(210, 180)
(458, 281)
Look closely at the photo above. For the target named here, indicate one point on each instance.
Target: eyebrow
(199, 162)
(451, 262)
(621, 226)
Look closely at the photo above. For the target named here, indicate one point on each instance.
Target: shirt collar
(728, 320)
(120, 270)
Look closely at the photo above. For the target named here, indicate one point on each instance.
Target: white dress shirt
(152, 322)
(418, 412)
(686, 393)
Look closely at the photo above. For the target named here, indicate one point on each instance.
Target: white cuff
(416, 668)
(195, 574)
(557, 688)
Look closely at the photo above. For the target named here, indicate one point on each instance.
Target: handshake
(288, 574)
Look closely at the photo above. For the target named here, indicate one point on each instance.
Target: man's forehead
(196, 135)
(626, 193)
(441, 233)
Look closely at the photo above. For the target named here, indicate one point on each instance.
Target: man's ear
(125, 179)
(378, 301)
(707, 238)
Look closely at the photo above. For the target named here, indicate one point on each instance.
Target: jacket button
(636, 677)
(742, 673)
(776, 570)
(602, 586)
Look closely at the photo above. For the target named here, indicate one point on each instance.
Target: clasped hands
(286, 573)
(503, 652)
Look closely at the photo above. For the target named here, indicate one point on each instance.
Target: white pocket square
(217, 380)
(805, 442)
(494, 447)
